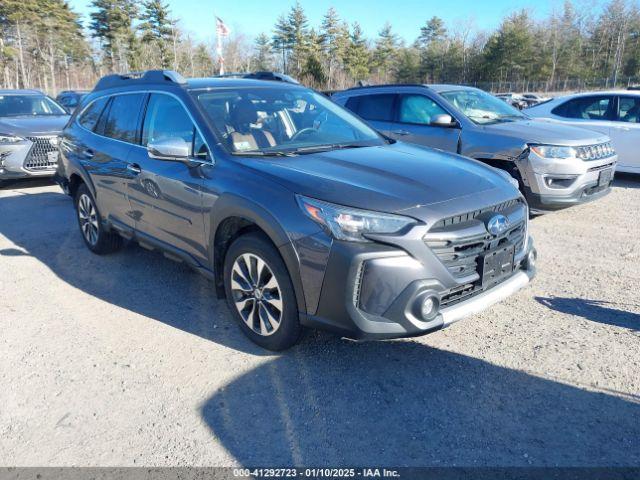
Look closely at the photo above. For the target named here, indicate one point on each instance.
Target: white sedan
(614, 113)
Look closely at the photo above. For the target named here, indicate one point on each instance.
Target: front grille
(445, 222)
(38, 157)
(459, 243)
(601, 167)
(595, 152)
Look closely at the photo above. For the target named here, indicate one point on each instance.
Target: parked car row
(555, 165)
(521, 101)
(394, 222)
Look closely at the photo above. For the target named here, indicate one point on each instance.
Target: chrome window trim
(147, 91)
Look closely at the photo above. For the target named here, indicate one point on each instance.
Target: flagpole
(219, 50)
(221, 31)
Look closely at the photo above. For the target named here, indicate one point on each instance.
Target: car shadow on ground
(594, 310)
(403, 403)
(43, 225)
(25, 183)
(627, 180)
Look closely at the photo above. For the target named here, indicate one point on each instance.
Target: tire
(94, 233)
(248, 284)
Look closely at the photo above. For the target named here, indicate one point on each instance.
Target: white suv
(614, 113)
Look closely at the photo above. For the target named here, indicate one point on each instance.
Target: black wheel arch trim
(231, 205)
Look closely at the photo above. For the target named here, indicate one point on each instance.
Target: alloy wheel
(256, 294)
(88, 219)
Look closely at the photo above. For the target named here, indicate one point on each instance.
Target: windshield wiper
(327, 148)
(261, 153)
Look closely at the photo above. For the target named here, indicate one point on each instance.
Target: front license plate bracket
(496, 265)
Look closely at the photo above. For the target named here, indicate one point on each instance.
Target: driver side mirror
(175, 149)
(442, 120)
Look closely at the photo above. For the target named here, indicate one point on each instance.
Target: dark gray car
(30, 123)
(556, 166)
(301, 214)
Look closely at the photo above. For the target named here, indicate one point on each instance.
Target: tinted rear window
(586, 108)
(122, 120)
(373, 107)
(90, 116)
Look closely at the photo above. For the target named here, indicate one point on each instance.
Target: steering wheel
(304, 131)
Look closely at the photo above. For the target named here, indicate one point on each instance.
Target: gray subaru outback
(301, 214)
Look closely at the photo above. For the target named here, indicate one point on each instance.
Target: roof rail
(389, 85)
(134, 78)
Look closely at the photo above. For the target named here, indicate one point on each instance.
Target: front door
(165, 195)
(625, 133)
(413, 124)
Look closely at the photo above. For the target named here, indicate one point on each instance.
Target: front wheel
(95, 235)
(260, 293)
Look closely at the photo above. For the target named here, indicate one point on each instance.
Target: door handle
(400, 132)
(134, 168)
(88, 153)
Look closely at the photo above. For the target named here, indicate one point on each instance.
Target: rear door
(594, 112)
(625, 133)
(106, 148)
(377, 109)
(412, 123)
(166, 196)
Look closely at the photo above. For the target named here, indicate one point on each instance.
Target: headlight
(4, 138)
(351, 224)
(552, 151)
(507, 176)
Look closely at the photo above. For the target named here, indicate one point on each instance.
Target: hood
(388, 178)
(30, 125)
(538, 131)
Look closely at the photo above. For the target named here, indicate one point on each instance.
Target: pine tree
(263, 59)
(433, 49)
(156, 27)
(280, 41)
(334, 39)
(385, 53)
(298, 35)
(111, 23)
(357, 58)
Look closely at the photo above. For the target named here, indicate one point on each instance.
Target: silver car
(615, 113)
(30, 123)
(556, 166)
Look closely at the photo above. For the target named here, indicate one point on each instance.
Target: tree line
(44, 44)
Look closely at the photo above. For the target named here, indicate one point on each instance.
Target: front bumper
(369, 292)
(553, 184)
(28, 158)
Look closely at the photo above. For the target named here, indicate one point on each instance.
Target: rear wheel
(95, 235)
(260, 293)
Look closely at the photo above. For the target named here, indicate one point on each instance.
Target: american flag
(221, 29)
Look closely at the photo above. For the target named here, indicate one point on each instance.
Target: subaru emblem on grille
(497, 224)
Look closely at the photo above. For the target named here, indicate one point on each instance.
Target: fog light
(532, 257)
(429, 307)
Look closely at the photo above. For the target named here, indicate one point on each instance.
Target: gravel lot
(129, 359)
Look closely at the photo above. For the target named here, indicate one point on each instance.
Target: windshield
(482, 108)
(275, 120)
(20, 105)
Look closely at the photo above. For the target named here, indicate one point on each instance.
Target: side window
(629, 110)
(376, 107)
(586, 108)
(352, 104)
(122, 121)
(165, 119)
(90, 116)
(418, 109)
